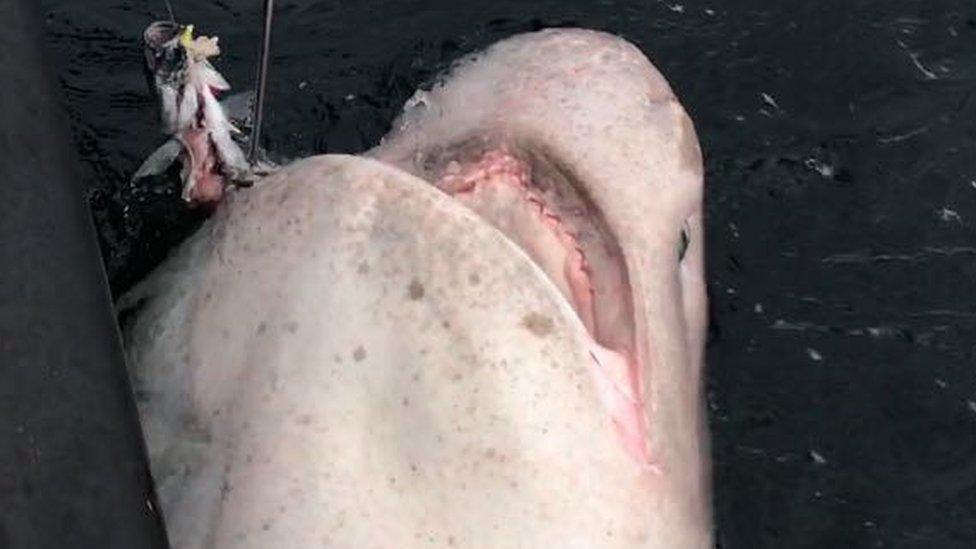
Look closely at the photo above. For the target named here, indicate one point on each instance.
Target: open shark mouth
(537, 206)
(566, 159)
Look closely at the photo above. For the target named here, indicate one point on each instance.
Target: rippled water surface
(840, 146)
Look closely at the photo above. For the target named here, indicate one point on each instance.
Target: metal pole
(262, 81)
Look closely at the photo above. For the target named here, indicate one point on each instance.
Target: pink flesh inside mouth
(565, 236)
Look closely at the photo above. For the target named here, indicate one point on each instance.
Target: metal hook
(261, 81)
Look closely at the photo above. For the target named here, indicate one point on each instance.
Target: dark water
(840, 142)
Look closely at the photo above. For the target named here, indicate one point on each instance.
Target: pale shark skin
(345, 356)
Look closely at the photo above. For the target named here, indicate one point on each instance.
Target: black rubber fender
(73, 469)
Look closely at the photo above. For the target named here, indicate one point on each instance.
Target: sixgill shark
(487, 331)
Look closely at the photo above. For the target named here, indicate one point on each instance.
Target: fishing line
(169, 8)
(262, 81)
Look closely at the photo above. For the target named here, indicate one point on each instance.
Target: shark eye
(683, 243)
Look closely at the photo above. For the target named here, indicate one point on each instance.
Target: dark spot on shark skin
(291, 326)
(359, 354)
(195, 429)
(474, 279)
(363, 268)
(262, 327)
(416, 290)
(540, 325)
(225, 489)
